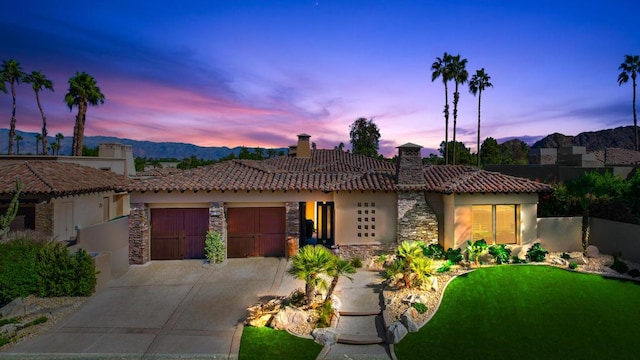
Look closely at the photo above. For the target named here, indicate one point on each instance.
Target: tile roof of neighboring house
(616, 156)
(158, 172)
(330, 170)
(58, 178)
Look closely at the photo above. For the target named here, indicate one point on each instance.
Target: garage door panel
(272, 220)
(178, 233)
(271, 245)
(165, 248)
(256, 232)
(240, 246)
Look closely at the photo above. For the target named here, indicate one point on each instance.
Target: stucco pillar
(139, 234)
(416, 220)
(44, 218)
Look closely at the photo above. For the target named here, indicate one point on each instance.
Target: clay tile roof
(330, 170)
(58, 178)
(466, 179)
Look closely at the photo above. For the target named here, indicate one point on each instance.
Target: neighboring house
(328, 197)
(58, 198)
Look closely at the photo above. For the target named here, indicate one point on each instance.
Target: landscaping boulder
(289, 316)
(580, 260)
(336, 303)
(325, 336)
(395, 332)
(18, 308)
(408, 319)
(559, 261)
(434, 283)
(8, 330)
(592, 251)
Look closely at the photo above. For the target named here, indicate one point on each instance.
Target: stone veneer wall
(218, 221)
(44, 218)
(139, 236)
(366, 251)
(293, 220)
(416, 219)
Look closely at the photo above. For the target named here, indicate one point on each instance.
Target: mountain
(148, 149)
(620, 137)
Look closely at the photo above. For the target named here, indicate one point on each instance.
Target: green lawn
(531, 312)
(266, 343)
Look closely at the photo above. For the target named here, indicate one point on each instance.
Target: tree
(307, 265)
(83, 91)
(459, 75)
(38, 140)
(38, 81)
(55, 149)
(338, 267)
(13, 74)
(490, 152)
(630, 68)
(440, 69)
(365, 137)
(479, 81)
(18, 139)
(462, 153)
(59, 138)
(514, 151)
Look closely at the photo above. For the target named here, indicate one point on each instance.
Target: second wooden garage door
(256, 232)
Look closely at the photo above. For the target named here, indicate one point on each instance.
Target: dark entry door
(325, 223)
(178, 233)
(255, 232)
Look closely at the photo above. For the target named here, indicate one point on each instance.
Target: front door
(325, 223)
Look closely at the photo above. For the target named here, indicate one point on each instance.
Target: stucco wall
(346, 207)
(77, 211)
(613, 237)
(111, 237)
(560, 233)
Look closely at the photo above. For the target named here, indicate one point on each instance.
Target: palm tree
(479, 81)
(630, 68)
(408, 251)
(55, 149)
(307, 265)
(59, 138)
(338, 267)
(440, 68)
(38, 140)
(38, 81)
(13, 74)
(459, 75)
(18, 139)
(83, 91)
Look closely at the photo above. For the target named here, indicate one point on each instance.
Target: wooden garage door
(256, 232)
(178, 233)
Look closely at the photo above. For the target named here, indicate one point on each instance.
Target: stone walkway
(361, 325)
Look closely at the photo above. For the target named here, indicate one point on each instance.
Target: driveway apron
(162, 309)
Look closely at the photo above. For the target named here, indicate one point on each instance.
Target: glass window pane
(506, 224)
(482, 223)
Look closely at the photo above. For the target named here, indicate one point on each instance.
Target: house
(329, 197)
(58, 198)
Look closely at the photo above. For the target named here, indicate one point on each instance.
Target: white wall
(111, 237)
(78, 211)
(560, 234)
(386, 214)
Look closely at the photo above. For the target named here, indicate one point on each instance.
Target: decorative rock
(559, 261)
(13, 309)
(522, 254)
(260, 321)
(408, 319)
(325, 336)
(434, 284)
(9, 330)
(336, 303)
(289, 316)
(592, 251)
(395, 332)
(580, 260)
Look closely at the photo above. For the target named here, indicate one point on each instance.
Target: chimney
(304, 149)
(409, 166)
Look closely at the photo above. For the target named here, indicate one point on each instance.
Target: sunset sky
(256, 73)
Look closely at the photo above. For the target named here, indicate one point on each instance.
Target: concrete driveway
(164, 309)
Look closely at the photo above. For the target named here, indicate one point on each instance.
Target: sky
(257, 73)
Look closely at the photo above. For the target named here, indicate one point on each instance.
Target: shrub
(396, 267)
(536, 253)
(573, 265)
(64, 274)
(446, 267)
(18, 274)
(382, 259)
(634, 273)
(434, 251)
(501, 253)
(475, 249)
(40, 320)
(618, 265)
(325, 313)
(454, 255)
(420, 307)
(565, 256)
(214, 247)
(356, 262)
(516, 260)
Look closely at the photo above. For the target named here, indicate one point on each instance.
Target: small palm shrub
(434, 251)
(420, 307)
(445, 267)
(536, 253)
(325, 313)
(501, 253)
(516, 260)
(454, 255)
(308, 264)
(214, 247)
(356, 262)
(410, 267)
(573, 265)
(565, 256)
(475, 249)
(618, 265)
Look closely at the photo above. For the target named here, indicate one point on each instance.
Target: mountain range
(621, 137)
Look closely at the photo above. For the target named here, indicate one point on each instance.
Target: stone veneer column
(218, 221)
(293, 220)
(139, 235)
(416, 219)
(44, 218)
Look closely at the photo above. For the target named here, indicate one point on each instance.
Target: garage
(256, 231)
(178, 233)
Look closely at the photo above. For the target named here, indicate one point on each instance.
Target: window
(496, 224)
(366, 223)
